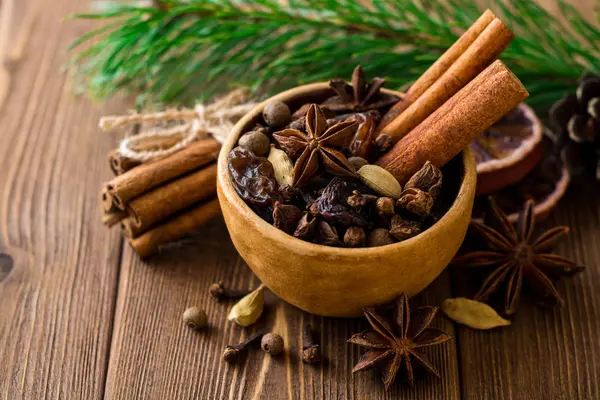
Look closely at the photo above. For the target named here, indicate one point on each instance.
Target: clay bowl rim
(264, 228)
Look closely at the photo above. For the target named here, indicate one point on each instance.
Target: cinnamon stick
(112, 218)
(452, 127)
(175, 228)
(438, 68)
(130, 229)
(486, 48)
(166, 200)
(107, 201)
(151, 175)
(119, 164)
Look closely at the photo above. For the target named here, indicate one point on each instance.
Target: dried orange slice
(545, 184)
(508, 150)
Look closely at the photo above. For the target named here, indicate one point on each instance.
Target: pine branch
(184, 51)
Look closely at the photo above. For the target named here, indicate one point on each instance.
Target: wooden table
(81, 317)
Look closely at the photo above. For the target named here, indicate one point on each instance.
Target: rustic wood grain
(57, 300)
(81, 319)
(546, 353)
(154, 356)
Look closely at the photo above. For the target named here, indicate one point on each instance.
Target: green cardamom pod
(247, 311)
(473, 314)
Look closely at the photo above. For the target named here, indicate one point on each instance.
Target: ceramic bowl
(331, 281)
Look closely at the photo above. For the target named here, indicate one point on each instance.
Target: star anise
(392, 347)
(319, 148)
(358, 96)
(517, 258)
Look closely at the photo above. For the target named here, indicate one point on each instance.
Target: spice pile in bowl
(309, 172)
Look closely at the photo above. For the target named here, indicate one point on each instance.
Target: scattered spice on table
(195, 318)
(311, 350)
(395, 346)
(272, 343)
(233, 354)
(221, 293)
(472, 313)
(517, 259)
(249, 309)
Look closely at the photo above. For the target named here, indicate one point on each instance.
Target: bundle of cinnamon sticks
(460, 96)
(161, 201)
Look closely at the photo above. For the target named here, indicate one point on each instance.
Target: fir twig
(182, 51)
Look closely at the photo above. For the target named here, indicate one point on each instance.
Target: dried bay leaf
(473, 314)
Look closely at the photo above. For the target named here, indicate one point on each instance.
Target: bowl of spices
(333, 214)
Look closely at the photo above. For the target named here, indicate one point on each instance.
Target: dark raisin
(253, 178)
(333, 206)
(327, 235)
(286, 217)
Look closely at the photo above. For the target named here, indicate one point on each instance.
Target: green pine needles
(182, 51)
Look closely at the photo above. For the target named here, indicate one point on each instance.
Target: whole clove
(311, 351)
(359, 200)
(220, 292)
(232, 354)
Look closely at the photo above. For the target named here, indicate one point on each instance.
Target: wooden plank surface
(82, 318)
(57, 302)
(546, 353)
(154, 356)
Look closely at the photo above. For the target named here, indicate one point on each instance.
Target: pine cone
(576, 120)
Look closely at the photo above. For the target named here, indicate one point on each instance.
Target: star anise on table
(517, 258)
(392, 347)
(359, 95)
(318, 149)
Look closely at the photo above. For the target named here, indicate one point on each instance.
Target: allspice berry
(195, 318)
(272, 343)
(385, 206)
(379, 237)
(256, 142)
(277, 114)
(355, 237)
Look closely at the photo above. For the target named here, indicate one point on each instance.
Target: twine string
(215, 119)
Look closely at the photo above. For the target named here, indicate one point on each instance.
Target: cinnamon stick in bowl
(438, 68)
(452, 127)
(486, 48)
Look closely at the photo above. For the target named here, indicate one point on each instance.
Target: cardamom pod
(380, 181)
(473, 314)
(282, 165)
(247, 311)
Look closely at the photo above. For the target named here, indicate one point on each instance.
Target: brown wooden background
(81, 317)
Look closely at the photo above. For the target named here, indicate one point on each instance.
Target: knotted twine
(182, 126)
